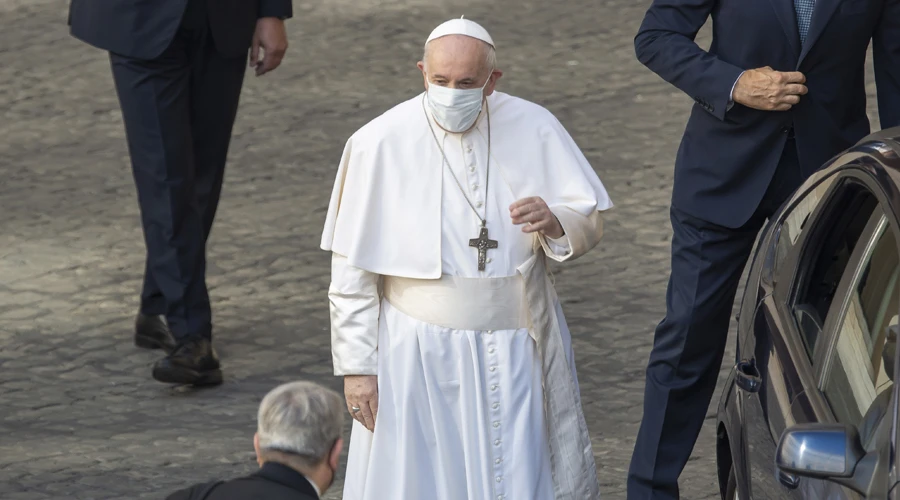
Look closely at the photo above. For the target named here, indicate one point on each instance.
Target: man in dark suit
(178, 67)
(298, 443)
(780, 91)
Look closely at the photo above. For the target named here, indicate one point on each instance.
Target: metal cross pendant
(483, 244)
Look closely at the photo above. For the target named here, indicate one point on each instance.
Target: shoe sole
(150, 343)
(186, 376)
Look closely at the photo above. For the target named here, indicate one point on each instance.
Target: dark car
(810, 409)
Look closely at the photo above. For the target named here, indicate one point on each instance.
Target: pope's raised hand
(534, 213)
(361, 392)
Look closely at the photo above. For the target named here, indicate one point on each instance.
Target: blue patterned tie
(804, 10)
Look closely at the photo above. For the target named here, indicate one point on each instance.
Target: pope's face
(458, 62)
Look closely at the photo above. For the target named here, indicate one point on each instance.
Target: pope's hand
(361, 392)
(272, 38)
(536, 215)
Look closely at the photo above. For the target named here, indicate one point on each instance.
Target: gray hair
(490, 56)
(302, 420)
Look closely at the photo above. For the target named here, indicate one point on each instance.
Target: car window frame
(786, 275)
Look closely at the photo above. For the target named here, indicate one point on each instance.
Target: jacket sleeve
(276, 8)
(355, 302)
(582, 234)
(886, 58)
(665, 44)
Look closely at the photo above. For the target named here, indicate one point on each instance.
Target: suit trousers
(689, 343)
(179, 109)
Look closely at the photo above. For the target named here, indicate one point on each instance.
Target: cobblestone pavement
(80, 417)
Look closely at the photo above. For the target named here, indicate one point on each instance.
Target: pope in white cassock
(444, 321)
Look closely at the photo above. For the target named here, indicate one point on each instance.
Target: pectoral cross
(483, 244)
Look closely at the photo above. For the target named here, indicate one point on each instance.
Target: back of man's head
(299, 423)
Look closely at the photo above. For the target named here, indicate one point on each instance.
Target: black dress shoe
(194, 362)
(152, 332)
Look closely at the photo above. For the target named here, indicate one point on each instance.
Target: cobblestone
(80, 417)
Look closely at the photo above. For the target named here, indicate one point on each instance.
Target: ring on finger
(355, 409)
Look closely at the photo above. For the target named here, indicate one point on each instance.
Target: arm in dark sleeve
(886, 58)
(276, 8)
(665, 44)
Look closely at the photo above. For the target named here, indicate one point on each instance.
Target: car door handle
(789, 481)
(747, 376)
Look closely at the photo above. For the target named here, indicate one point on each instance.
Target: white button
(471, 169)
(496, 442)
(469, 149)
(496, 424)
(495, 405)
(498, 460)
(491, 350)
(474, 187)
(499, 497)
(490, 332)
(489, 260)
(479, 204)
(499, 478)
(493, 368)
(494, 387)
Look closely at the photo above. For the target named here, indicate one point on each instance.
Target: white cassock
(460, 354)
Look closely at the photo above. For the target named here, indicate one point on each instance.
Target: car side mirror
(819, 451)
(827, 451)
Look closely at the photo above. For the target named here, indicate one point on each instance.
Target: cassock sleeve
(355, 302)
(582, 234)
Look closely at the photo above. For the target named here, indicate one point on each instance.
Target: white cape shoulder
(385, 208)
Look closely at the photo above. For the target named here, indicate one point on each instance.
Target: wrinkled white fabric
(461, 413)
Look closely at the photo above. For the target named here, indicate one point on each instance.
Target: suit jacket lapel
(784, 9)
(821, 15)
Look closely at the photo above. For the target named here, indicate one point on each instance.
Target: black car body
(810, 409)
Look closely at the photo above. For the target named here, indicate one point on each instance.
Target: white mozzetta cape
(385, 210)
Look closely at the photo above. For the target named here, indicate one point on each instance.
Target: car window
(860, 377)
(824, 258)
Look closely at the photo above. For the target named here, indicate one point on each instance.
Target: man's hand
(361, 392)
(272, 38)
(769, 90)
(536, 215)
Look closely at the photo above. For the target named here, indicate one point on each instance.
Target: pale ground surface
(80, 417)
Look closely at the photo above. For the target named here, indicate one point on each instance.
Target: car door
(816, 234)
(858, 363)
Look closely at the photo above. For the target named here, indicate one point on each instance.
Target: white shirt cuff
(731, 95)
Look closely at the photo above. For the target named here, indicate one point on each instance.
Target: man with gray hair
(457, 362)
(298, 442)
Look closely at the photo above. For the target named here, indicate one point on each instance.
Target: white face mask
(455, 110)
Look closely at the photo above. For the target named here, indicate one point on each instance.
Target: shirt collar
(282, 474)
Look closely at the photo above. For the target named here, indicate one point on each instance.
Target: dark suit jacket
(273, 481)
(142, 29)
(727, 158)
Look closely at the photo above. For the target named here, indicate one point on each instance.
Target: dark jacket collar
(284, 475)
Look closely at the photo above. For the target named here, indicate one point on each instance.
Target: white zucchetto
(461, 27)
